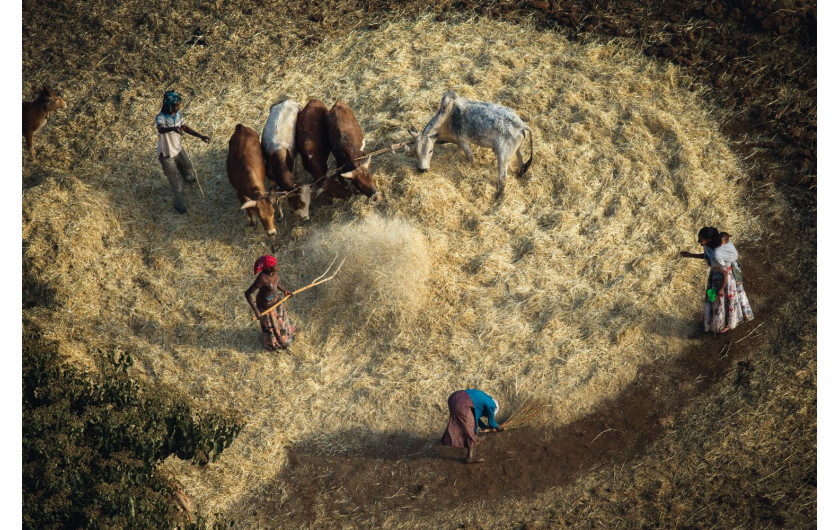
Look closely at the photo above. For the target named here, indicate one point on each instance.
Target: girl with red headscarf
(278, 332)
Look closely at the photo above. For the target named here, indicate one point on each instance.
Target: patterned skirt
(731, 306)
(278, 332)
(460, 432)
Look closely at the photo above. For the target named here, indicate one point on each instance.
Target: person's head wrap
(170, 98)
(264, 263)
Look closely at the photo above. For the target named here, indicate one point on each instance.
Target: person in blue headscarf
(173, 158)
(466, 408)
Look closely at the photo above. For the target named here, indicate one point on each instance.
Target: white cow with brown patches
(278, 147)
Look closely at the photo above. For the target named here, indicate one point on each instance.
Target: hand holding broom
(529, 410)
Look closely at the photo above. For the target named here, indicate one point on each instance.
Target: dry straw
(527, 412)
(560, 291)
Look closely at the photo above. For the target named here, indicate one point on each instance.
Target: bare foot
(473, 460)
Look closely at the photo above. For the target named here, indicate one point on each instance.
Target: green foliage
(92, 443)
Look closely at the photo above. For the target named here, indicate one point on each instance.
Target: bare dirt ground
(748, 459)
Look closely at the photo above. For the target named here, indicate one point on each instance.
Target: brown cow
(313, 144)
(347, 143)
(246, 172)
(278, 147)
(35, 113)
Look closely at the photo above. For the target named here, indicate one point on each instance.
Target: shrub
(92, 443)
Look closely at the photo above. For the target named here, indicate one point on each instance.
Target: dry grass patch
(561, 290)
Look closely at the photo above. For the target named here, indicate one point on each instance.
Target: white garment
(169, 144)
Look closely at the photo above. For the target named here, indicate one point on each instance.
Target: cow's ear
(366, 165)
(447, 101)
(413, 132)
(348, 175)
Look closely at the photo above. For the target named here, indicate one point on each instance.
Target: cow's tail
(526, 165)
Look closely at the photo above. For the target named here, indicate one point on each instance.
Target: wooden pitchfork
(317, 281)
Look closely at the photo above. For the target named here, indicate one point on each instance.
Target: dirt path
(400, 471)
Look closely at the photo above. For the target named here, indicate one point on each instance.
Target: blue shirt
(484, 406)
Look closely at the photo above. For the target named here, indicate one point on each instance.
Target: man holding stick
(173, 158)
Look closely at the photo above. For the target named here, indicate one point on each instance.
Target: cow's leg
(502, 175)
(251, 219)
(29, 145)
(519, 157)
(503, 155)
(464, 143)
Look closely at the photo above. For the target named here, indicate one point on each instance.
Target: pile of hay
(383, 279)
(561, 290)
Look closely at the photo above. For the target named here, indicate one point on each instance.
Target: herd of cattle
(314, 132)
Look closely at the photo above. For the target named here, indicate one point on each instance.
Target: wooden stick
(750, 333)
(250, 203)
(317, 281)
(390, 149)
(195, 174)
(283, 194)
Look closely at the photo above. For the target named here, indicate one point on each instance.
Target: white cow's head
(300, 201)
(424, 146)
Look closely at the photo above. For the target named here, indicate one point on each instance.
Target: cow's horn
(413, 132)
(348, 175)
(367, 162)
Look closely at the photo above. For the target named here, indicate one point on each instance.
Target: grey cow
(464, 121)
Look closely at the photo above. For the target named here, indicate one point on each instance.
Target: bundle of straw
(528, 411)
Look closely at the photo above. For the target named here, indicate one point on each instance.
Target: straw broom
(527, 412)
